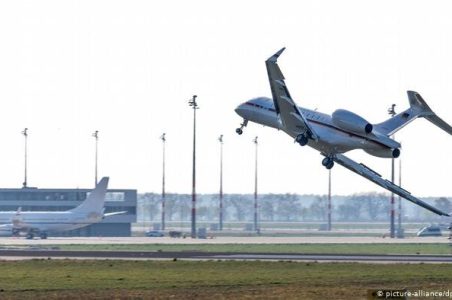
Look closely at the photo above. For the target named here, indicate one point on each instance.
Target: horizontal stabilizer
(418, 109)
(440, 123)
(416, 101)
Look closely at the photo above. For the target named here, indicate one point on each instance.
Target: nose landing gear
(239, 130)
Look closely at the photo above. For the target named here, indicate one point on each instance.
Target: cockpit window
(262, 103)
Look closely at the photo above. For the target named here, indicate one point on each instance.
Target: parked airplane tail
(96, 199)
(418, 109)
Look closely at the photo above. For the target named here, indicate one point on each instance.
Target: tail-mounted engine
(349, 121)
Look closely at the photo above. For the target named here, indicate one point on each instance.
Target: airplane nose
(240, 110)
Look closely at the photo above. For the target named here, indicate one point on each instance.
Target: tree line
(283, 207)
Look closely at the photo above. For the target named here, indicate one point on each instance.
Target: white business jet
(336, 134)
(40, 223)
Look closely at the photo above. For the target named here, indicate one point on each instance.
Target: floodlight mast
(220, 227)
(195, 107)
(392, 113)
(256, 207)
(96, 138)
(25, 134)
(329, 201)
(399, 211)
(163, 138)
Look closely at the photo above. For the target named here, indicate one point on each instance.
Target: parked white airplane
(88, 212)
(336, 134)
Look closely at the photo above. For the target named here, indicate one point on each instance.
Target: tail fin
(418, 108)
(96, 199)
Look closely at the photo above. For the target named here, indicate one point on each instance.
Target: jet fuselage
(331, 138)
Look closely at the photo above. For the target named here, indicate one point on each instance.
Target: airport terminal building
(34, 199)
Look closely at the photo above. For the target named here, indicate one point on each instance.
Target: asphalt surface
(193, 255)
(16, 241)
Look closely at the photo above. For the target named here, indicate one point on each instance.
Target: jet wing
(373, 176)
(6, 229)
(115, 213)
(291, 117)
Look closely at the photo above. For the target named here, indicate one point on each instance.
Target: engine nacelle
(350, 121)
(384, 152)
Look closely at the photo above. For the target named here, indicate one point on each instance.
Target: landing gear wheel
(330, 165)
(396, 153)
(239, 130)
(328, 162)
(325, 161)
(30, 236)
(43, 236)
(301, 139)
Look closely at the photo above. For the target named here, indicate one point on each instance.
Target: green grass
(275, 248)
(56, 279)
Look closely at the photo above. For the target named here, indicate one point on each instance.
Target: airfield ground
(206, 279)
(109, 279)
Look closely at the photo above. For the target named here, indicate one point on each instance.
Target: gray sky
(127, 69)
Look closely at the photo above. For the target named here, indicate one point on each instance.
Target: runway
(196, 255)
(7, 241)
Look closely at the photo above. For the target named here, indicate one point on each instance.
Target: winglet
(274, 57)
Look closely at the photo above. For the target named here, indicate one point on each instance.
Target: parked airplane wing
(6, 229)
(373, 176)
(291, 117)
(115, 213)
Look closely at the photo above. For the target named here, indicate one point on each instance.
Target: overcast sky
(128, 68)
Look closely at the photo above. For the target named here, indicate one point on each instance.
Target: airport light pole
(96, 138)
(194, 105)
(329, 201)
(399, 212)
(25, 134)
(256, 226)
(163, 138)
(391, 111)
(220, 227)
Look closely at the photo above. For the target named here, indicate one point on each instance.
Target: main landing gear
(328, 162)
(239, 130)
(302, 139)
(15, 232)
(31, 234)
